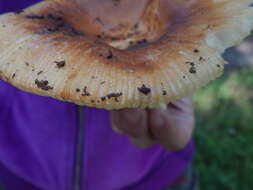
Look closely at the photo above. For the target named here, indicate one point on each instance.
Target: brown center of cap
(122, 23)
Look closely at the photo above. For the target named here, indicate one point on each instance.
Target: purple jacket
(46, 144)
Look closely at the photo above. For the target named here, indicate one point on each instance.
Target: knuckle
(129, 116)
(176, 146)
(180, 146)
(141, 143)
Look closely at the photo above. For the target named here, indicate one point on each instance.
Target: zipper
(79, 148)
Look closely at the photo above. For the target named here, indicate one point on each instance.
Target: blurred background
(224, 131)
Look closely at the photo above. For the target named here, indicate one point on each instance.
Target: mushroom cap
(116, 54)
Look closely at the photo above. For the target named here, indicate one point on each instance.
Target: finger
(172, 131)
(183, 105)
(132, 122)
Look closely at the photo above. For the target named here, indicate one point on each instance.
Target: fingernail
(117, 130)
(141, 143)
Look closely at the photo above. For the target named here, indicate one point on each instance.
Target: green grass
(224, 132)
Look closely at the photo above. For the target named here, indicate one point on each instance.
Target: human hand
(172, 128)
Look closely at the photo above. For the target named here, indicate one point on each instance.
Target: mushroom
(117, 54)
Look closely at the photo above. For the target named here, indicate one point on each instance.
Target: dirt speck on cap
(60, 64)
(43, 84)
(144, 90)
(114, 95)
(85, 92)
(103, 98)
(40, 72)
(35, 16)
(193, 70)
